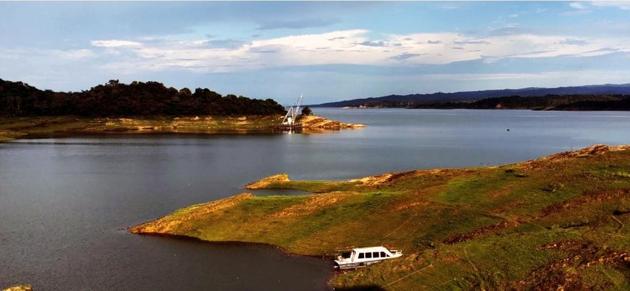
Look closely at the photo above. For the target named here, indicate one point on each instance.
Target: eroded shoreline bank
(55, 126)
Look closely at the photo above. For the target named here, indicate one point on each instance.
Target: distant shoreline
(66, 126)
(540, 103)
(594, 97)
(479, 109)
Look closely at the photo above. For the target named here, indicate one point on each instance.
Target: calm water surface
(64, 203)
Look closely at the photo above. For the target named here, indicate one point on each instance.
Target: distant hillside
(548, 102)
(590, 94)
(135, 99)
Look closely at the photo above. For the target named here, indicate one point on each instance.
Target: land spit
(555, 222)
(33, 127)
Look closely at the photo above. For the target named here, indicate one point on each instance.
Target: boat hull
(347, 266)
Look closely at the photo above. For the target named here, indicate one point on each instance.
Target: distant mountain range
(611, 96)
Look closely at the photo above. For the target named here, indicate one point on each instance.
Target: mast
(293, 112)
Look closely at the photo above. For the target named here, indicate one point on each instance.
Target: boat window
(346, 255)
(375, 254)
(360, 255)
(384, 255)
(368, 255)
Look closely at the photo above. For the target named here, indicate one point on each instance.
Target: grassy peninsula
(561, 221)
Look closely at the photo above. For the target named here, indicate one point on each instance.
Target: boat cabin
(360, 257)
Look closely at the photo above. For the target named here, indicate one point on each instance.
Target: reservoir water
(65, 202)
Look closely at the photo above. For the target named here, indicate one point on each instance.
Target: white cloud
(584, 76)
(625, 5)
(584, 6)
(114, 43)
(350, 47)
(578, 8)
(63, 55)
(577, 5)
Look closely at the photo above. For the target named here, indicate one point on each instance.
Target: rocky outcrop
(21, 287)
(265, 182)
(373, 180)
(312, 122)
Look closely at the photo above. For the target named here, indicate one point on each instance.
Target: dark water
(64, 203)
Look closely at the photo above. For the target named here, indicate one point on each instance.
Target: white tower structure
(292, 113)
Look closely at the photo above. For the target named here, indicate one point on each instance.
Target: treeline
(135, 99)
(466, 97)
(549, 102)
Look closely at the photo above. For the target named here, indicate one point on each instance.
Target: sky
(325, 50)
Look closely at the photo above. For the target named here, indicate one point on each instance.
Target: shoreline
(233, 243)
(388, 208)
(68, 126)
(474, 109)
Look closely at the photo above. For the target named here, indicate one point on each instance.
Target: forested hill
(562, 98)
(135, 99)
(549, 102)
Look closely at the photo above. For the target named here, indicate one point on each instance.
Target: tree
(306, 111)
(135, 99)
(185, 92)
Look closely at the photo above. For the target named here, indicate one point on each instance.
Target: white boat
(361, 257)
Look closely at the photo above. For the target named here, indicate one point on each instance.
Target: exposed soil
(585, 199)
(562, 275)
(482, 231)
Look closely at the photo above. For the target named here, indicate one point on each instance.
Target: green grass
(481, 228)
(312, 186)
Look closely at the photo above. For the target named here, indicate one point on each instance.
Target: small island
(559, 221)
(141, 108)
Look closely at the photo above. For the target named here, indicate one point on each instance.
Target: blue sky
(326, 50)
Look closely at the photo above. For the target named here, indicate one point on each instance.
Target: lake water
(65, 202)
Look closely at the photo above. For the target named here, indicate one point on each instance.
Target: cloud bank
(352, 47)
